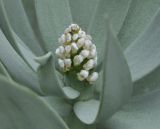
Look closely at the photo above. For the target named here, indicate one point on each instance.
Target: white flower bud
(77, 50)
(68, 48)
(68, 37)
(78, 59)
(84, 53)
(89, 65)
(62, 39)
(80, 42)
(93, 53)
(67, 63)
(61, 63)
(95, 61)
(74, 27)
(81, 34)
(57, 52)
(74, 47)
(83, 75)
(87, 44)
(61, 49)
(93, 46)
(93, 77)
(75, 37)
(67, 30)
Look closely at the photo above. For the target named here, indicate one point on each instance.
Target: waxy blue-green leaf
(82, 11)
(70, 93)
(88, 13)
(116, 10)
(148, 83)
(139, 15)
(3, 71)
(142, 112)
(23, 109)
(21, 25)
(61, 105)
(15, 41)
(29, 7)
(48, 79)
(16, 66)
(117, 85)
(87, 111)
(143, 55)
(26, 53)
(6, 27)
(53, 17)
(74, 123)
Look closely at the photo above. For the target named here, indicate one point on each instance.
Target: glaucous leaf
(87, 111)
(70, 92)
(3, 71)
(16, 66)
(142, 112)
(48, 79)
(83, 11)
(139, 15)
(73, 122)
(116, 10)
(62, 106)
(26, 53)
(117, 85)
(19, 22)
(143, 55)
(22, 109)
(14, 40)
(29, 7)
(148, 83)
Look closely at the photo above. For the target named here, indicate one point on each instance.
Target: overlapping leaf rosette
(79, 64)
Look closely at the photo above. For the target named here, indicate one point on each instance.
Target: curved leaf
(15, 65)
(74, 123)
(48, 79)
(53, 17)
(87, 111)
(22, 108)
(139, 16)
(70, 92)
(83, 11)
(29, 7)
(26, 53)
(4, 71)
(148, 83)
(117, 85)
(117, 11)
(20, 24)
(142, 112)
(144, 54)
(62, 107)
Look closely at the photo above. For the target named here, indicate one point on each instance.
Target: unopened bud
(83, 75)
(78, 59)
(89, 65)
(93, 77)
(85, 53)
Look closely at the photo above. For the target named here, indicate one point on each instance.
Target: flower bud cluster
(76, 50)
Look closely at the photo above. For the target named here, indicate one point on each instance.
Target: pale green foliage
(34, 94)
